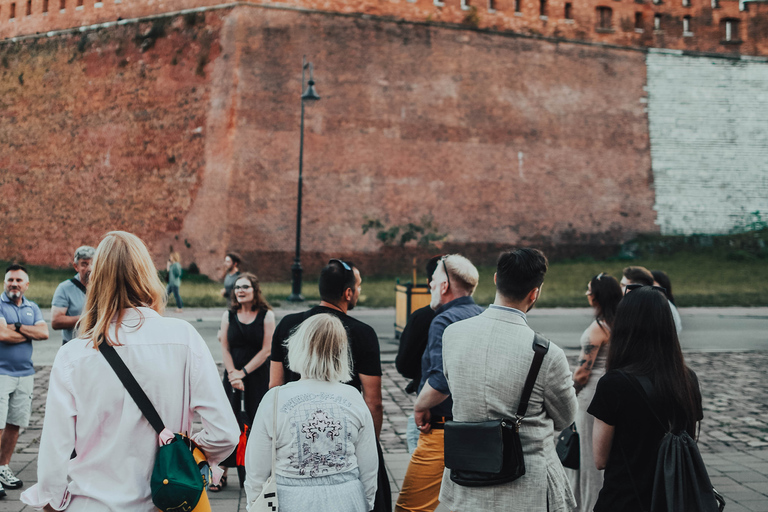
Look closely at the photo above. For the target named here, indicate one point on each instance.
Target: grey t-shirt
(68, 295)
(229, 283)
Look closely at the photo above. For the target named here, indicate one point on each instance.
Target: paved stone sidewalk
(733, 438)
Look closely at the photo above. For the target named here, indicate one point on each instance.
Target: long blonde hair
(123, 277)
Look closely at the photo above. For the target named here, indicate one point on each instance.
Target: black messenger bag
(490, 452)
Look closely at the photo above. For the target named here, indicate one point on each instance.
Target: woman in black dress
(246, 344)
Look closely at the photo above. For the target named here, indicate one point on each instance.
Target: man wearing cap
(69, 297)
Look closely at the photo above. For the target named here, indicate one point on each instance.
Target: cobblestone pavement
(733, 438)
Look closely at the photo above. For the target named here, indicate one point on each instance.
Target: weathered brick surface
(706, 30)
(708, 141)
(501, 140)
(97, 135)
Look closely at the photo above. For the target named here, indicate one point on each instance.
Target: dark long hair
(259, 302)
(606, 292)
(644, 342)
(662, 278)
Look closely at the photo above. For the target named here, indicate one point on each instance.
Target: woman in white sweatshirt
(326, 445)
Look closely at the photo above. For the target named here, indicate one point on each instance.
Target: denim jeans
(175, 290)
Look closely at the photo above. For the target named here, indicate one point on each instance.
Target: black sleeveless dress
(245, 340)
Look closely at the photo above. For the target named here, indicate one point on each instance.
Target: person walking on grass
(174, 279)
(21, 322)
(69, 297)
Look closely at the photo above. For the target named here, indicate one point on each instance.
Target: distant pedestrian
(662, 279)
(487, 359)
(246, 344)
(645, 369)
(635, 277)
(340, 286)
(174, 279)
(324, 435)
(69, 297)
(232, 263)
(604, 295)
(89, 409)
(413, 341)
(20, 322)
(453, 284)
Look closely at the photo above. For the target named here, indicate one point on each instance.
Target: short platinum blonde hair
(319, 349)
(84, 252)
(462, 272)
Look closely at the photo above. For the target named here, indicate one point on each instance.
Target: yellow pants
(421, 487)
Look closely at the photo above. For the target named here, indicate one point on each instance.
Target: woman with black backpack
(647, 392)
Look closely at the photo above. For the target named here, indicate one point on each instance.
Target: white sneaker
(8, 479)
(2, 492)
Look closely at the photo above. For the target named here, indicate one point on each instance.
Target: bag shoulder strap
(133, 387)
(540, 348)
(79, 285)
(645, 390)
(274, 431)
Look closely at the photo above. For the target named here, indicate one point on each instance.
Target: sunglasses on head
(343, 264)
(445, 269)
(635, 286)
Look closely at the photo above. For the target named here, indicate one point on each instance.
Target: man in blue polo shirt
(20, 322)
(69, 297)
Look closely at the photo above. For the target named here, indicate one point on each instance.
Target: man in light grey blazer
(486, 360)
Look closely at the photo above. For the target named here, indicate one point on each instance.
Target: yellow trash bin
(408, 298)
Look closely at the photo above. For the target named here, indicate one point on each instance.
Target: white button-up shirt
(89, 410)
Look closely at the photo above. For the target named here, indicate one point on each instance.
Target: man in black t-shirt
(339, 291)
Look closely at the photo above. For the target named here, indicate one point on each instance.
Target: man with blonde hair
(453, 283)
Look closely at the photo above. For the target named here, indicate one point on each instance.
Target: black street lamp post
(296, 271)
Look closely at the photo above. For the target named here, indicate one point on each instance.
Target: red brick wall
(97, 135)
(501, 140)
(706, 24)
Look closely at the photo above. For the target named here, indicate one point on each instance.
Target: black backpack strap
(133, 387)
(540, 348)
(79, 285)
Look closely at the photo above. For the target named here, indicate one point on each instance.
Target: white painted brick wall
(709, 141)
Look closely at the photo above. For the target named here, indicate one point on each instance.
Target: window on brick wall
(464, 5)
(518, 7)
(729, 29)
(45, 5)
(29, 7)
(604, 15)
(715, 4)
(62, 4)
(657, 22)
(686, 3)
(491, 5)
(79, 3)
(687, 26)
(543, 8)
(13, 11)
(568, 11)
(639, 21)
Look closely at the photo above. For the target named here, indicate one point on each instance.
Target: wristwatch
(17, 325)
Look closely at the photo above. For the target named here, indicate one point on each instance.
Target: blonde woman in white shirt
(89, 410)
(326, 444)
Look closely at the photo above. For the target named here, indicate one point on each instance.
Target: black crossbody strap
(540, 348)
(133, 387)
(80, 285)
